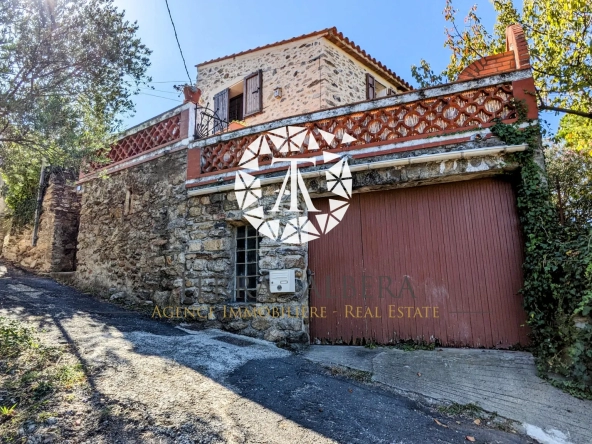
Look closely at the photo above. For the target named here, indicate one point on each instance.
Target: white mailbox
(282, 281)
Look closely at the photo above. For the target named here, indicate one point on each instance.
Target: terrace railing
(457, 111)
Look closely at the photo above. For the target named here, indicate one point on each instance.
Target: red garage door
(433, 263)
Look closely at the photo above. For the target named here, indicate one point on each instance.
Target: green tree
(559, 34)
(576, 133)
(570, 182)
(68, 70)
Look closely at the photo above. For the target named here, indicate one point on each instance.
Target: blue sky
(396, 32)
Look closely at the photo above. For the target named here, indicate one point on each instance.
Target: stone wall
(313, 73)
(294, 67)
(345, 77)
(65, 217)
(210, 257)
(132, 233)
(211, 227)
(143, 240)
(55, 250)
(17, 246)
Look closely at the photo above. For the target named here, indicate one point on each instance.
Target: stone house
(405, 197)
(315, 71)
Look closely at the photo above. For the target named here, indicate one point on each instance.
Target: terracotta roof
(362, 56)
(342, 42)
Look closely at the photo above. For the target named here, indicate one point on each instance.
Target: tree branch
(565, 110)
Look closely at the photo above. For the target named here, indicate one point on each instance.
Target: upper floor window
(253, 91)
(235, 108)
(239, 101)
(375, 89)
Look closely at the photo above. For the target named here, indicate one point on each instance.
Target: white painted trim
(180, 144)
(170, 113)
(412, 96)
(191, 128)
(374, 151)
(462, 154)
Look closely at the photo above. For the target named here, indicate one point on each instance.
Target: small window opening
(127, 204)
(247, 264)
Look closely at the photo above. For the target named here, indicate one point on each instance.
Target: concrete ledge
(498, 381)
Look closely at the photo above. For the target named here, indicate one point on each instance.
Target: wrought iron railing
(208, 123)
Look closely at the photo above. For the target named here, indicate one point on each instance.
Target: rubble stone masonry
(144, 241)
(313, 73)
(55, 250)
(133, 232)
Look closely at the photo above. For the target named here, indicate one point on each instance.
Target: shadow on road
(204, 387)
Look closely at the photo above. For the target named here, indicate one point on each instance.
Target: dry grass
(34, 378)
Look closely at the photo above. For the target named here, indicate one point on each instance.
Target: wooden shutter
(370, 92)
(253, 93)
(221, 110)
(390, 92)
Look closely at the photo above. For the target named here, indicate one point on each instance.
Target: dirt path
(149, 382)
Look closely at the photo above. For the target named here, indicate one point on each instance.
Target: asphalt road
(171, 385)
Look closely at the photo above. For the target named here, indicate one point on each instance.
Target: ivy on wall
(557, 271)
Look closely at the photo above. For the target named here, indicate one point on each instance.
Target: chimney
(516, 41)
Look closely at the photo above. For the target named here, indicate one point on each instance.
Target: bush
(557, 267)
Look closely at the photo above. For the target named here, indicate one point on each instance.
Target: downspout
(39, 204)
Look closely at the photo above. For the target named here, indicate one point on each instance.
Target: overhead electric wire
(160, 97)
(161, 90)
(177, 38)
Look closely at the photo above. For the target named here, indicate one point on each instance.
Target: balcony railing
(208, 123)
(160, 131)
(457, 111)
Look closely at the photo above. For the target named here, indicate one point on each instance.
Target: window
(239, 101)
(247, 264)
(235, 108)
(221, 110)
(253, 90)
(375, 89)
(127, 203)
(370, 91)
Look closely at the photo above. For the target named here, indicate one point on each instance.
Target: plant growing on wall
(559, 35)
(68, 70)
(555, 209)
(557, 271)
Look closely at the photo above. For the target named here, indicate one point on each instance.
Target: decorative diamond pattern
(451, 112)
(160, 133)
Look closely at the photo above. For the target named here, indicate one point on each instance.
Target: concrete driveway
(155, 383)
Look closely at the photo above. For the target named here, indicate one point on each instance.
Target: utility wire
(161, 90)
(160, 97)
(177, 38)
